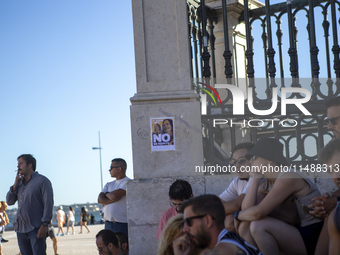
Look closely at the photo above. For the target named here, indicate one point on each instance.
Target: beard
(202, 239)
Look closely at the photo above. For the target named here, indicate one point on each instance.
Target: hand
(42, 232)
(322, 205)
(182, 245)
(17, 181)
(256, 175)
(236, 224)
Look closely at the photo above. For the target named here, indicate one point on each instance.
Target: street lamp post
(100, 159)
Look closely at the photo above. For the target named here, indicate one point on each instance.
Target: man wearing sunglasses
(179, 191)
(323, 205)
(330, 155)
(233, 196)
(113, 196)
(326, 206)
(333, 116)
(204, 228)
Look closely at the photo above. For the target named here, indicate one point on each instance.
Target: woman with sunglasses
(271, 235)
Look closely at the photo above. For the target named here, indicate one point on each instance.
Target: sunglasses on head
(240, 161)
(332, 120)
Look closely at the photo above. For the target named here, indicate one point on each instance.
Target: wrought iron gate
(273, 51)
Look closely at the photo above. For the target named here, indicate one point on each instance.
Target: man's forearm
(234, 205)
(11, 197)
(103, 199)
(113, 197)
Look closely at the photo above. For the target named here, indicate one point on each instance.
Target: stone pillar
(164, 90)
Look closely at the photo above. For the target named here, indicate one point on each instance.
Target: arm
(234, 205)
(2, 221)
(111, 197)
(334, 240)
(12, 195)
(103, 199)
(282, 189)
(6, 217)
(225, 248)
(47, 199)
(116, 195)
(250, 198)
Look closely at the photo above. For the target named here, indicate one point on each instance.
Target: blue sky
(67, 72)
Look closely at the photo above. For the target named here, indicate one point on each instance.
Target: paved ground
(78, 244)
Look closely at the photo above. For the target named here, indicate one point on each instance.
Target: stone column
(164, 90)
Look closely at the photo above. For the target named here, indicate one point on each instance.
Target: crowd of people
(262, 211)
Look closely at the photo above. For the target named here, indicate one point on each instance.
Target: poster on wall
(162, 134)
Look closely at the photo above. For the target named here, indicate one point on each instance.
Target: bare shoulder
(227, 248)
(291, 181)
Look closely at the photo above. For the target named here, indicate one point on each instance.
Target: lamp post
(100, 158)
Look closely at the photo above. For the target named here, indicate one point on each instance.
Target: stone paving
(78, 244)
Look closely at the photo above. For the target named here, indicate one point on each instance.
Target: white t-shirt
(235, 188)
(60, 215)
(116, 211)
(70, 216)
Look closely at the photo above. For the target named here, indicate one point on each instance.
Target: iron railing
(273, 54)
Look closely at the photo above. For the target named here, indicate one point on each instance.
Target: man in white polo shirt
(233, 196)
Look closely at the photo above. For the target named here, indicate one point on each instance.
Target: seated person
(330, 155)
(179, 191)
(204, 228)
(272, 235)
(233, 196)
(323, 205)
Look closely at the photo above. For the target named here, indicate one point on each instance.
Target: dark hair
(327, 153)
(122, 238)
(248, 146)
(333, 101)
(207, 204)
(171, 124)
(180, 190)
(83, 210)
(160, 128)
(108, 236)
(29, 159)
(121, 162)
(71, 209)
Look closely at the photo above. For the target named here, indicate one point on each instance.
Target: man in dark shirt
(34, 194)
